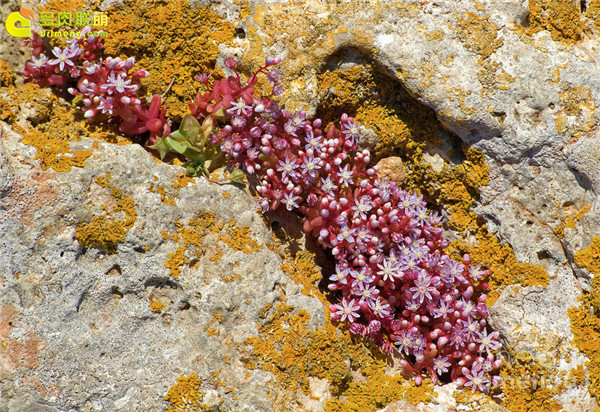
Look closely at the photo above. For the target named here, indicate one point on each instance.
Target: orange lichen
(575, 103)
(217, 255)
(106, 232)
(55, 126)
(190, 237)
(182, 181)
(293, 352)
(501, 260)
(585, 318)
(478, 34)
(528, 385)
(239, 238)
(7, 76)
(342, 91)
(570, 221)
(173, 40)
(560, 17)
(155, 305)
(231, 277)
(184, 396)
(165, 197)
(302, 270)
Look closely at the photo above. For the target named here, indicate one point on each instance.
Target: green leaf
(190, 128)
(162, 146)
(178, 135)
(237, 176)
(177, 145)
(197, 166)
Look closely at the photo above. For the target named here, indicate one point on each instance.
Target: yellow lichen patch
(293, 352)
(231, 277)
(165, 197)
(173, 40)
(155, 305)
(7, 77)
(570, 221)
(456, 188)
(530, 385)
(53, 152)
(394, 135)
(585, 319)
(592, 12)
(589, 258)
(103, 180)
(577, 105)
(54, 126)
(577, 376)
(344, 90)
(239, 238)
(107, 231)
(102, 232)
(478, 34)
(311, 32)
(217, 255)
(501, 261)
(184, 396)
(560, 17)
(190, 237)
(182, 181)
(303, 271)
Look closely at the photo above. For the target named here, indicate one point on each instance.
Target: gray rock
(82, 333)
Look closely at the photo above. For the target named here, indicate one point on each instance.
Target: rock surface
(77, 329)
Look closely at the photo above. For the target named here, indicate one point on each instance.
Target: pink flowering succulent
(395, 284)
(108, 87)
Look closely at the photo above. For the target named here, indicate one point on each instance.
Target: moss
(173, 40)
(560, 17)
(107, 231)
(585, 319)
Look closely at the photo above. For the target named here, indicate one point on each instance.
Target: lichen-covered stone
(490, 105)
(80, 327)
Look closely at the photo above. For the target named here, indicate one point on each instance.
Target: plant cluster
(107, 86)
(393, 282)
